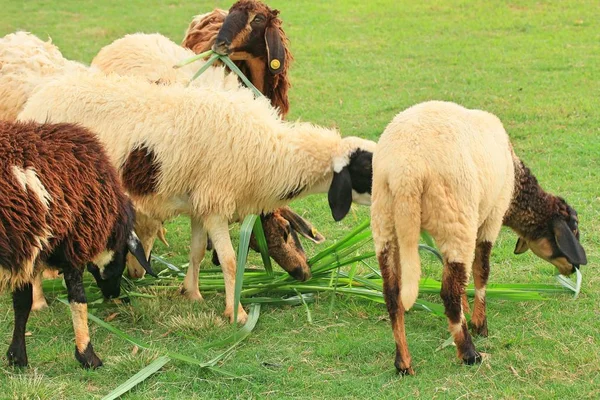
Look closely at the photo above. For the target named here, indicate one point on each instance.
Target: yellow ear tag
(275, 64)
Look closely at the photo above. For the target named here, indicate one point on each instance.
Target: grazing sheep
(452, 172)
(61, 205)
(152, 56)
(216, 155)
(25, 62)
(252, 36)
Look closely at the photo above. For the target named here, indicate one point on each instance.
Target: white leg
(197, 249)
(218, 229)
(39, 301)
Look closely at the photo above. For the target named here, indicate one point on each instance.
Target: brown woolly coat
(57, 189)
(202, 32)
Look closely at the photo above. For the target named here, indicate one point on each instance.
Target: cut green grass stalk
(138, 378)
(193, 59)
(210, 365)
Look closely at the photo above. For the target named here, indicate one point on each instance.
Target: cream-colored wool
(152, 56)
(222, 153)
(26, 62)
(445, 169)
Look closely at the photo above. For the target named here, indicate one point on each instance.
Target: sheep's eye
(259, 19)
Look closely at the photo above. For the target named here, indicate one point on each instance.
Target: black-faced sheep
(152, 56)
(216, 155)
(252, 36)
(452, 172)
(61, 205)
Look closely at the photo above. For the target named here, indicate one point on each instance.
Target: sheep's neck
(309, 154)
(531, 208)
(257, 73)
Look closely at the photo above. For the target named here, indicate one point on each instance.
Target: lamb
(452, 172)
(62, 206)
(216, 155)
(251, 34)
(26, 62)
(152, 56)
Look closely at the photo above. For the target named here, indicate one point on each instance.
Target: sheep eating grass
(61, 206)
(152, 56)
(216, 155)
(452, 172)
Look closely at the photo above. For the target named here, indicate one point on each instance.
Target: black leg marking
(22, 300)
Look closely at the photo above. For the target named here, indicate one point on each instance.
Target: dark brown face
(560, 245)
(242, 35)
(285, 247)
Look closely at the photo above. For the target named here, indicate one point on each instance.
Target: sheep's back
(201, 139)
(451, 147)
(25, 63)
(152, 56)
(58, 189)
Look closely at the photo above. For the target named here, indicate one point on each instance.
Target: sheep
(252, 36)
(25, 62)
(216, 155)
(62, 206)
(152, 56)
(452, 172)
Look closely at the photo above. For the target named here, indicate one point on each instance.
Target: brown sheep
(252, 36)
(61, 206)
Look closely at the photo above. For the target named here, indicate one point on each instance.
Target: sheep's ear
(135, 247)
(568, 243)
(521, 246)
(275, 50)
(301, 225)
(340, 194)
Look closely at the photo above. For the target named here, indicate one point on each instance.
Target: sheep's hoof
(481, 330)
(88, 359)
(242, 317)
(17, 356)
(193, 295)
(471, 357)
(38, 305)
(405, 371)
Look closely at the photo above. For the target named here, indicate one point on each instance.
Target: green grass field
(535, 64)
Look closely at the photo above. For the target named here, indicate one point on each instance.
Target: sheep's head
(253, 30)
(559, 241)
(352, 176)
(281, 231)
(107, 268)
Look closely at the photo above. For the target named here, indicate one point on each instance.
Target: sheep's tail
(407, 218)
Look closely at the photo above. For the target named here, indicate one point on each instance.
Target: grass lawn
(535, 64)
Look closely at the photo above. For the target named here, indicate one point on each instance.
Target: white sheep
(26, 62)
(152, 56)
(216, 155)
(452, 172)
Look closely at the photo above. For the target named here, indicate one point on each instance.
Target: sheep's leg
(22, 300)
(481, 272)
(218, 229)
(453, 287)
(84, 352)
(386, 246)
(390, 266)
(197, 249)
(39, 301)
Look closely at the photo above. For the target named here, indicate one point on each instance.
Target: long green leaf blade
(138, 378)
